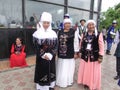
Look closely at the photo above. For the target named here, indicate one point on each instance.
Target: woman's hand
(79, 55)
(99, 60)
(17, 52)
(75, 56)
(46, 57)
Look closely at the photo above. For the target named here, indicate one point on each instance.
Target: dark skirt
(44, 71)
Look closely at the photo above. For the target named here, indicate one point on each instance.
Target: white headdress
(67, 20)
(41, 32)
(46, 17)
(92, 21)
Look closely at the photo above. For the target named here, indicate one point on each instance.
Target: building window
(54, 1)
(10, 13)
(95, 5)
(77, 15)
(95, 17)
(36, 8)
(84, 4)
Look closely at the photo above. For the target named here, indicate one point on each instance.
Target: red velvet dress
(17, 60)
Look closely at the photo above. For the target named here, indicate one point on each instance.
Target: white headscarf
(92, 21)
(41, 33)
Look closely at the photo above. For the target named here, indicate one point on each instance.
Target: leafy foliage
(110, 15)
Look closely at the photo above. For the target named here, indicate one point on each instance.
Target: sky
(108, 3)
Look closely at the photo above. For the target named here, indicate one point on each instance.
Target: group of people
(113, 36)
(56, 54)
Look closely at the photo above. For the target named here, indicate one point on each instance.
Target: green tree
(117, 6)
(110, 15)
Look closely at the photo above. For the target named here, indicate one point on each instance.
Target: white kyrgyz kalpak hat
(46, 17)
(92, 21)
(67, 20)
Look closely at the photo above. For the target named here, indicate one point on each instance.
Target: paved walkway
(22, 79)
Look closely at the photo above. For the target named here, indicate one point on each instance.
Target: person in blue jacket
(111, 36)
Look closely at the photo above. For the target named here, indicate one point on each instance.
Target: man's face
(115, 25)
(82, 23)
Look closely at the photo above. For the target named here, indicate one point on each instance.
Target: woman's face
(91, 26)
(46, 25)
(67, 26)
(18, 42)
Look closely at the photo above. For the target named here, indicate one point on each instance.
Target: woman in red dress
(17, 57)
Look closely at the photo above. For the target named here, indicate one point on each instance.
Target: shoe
(51, 88)
(108, 52)
(86, 87)
(116, 77)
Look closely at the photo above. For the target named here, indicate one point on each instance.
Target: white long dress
(65, 67)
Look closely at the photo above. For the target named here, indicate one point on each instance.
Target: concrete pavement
(22, 78)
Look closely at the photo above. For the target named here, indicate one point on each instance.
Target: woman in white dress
(68, 48)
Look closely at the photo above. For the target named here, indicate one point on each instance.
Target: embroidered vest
(66, 44)
(81, 31)
(93, 54)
